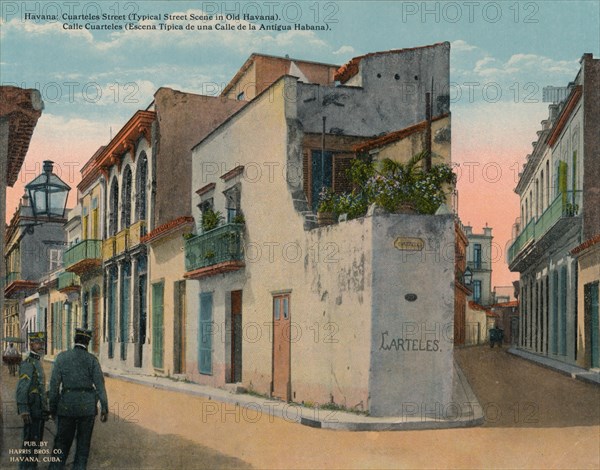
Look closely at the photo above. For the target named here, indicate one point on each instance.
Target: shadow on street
(116, 444)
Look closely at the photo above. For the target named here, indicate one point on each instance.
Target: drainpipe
(428, 98)
(323, 153)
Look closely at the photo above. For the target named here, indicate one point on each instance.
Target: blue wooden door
(591, 312)
(157, 324)
(205, 330)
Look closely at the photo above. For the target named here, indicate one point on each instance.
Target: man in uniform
(31, 400)
(76, 385)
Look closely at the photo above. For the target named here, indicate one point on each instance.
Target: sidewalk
(575, 372)
(463, 411)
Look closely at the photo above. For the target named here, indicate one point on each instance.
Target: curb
(577, 373)
(323, 418)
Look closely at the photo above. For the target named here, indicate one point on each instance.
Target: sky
(502, 55)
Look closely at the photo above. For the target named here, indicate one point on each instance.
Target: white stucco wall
(337, 288)
(412, 348)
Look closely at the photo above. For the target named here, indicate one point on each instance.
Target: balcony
(15, 284)
(553, 223)
(480, 266)
(108, 248)
(12, 277)
(136, 232)
(216, 251)
(122, 241)
(83, 256)
(68, 282)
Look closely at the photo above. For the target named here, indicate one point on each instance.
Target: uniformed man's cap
(83, 332)
(37, 337)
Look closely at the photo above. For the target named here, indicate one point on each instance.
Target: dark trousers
(66, 429)
(32, 433)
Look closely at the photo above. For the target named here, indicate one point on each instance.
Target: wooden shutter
(306, 176)
(205, 334)
(157, 324)
(341, 165)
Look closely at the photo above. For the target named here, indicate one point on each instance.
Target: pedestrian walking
(76, 386)
(31, 400)
(11, 358)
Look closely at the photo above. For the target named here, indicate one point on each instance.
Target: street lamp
(48, 193)
(468, 277)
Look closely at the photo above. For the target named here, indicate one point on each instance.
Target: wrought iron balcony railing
(84, 250)
(216, 246)
(67, 280)
(136, 232)
(566, 204)
(12, 277)
(122, 241)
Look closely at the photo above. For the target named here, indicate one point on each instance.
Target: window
(141, 176)
(321, 173)
(204, 206)
(281, 307)
(157, 324)
(112, 307)
(205, 332)
(126, 202)
(555, 298)
(55, 258)
(477, 291)
(94, 233)
(84, 224)
(240, 96)
(563, 311)
(232, 201)
(477, 255)
(124, 310)
(114, 208)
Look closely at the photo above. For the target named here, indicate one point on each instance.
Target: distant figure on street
(12, 358)
(76, 386)
(31, 400)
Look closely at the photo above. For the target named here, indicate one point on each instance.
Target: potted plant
(239, 219)
(326, 208)
(397, 187)
(211, 219)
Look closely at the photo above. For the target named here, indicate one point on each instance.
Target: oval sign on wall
(411, 297)
(409, 244)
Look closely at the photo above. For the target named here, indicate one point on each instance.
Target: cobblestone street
(535, 418)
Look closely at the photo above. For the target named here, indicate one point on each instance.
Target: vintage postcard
(300, 234)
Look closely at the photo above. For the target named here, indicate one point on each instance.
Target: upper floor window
(54, 258)
(114, 208)
(126, 198)
(477, 291)
(232, 203)
(140, 185)
(477, 255)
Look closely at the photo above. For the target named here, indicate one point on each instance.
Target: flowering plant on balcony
(394, 186)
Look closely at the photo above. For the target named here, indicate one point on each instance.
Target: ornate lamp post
(468, 277)
(48, 194)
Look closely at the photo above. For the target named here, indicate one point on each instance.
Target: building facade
(34, 247)
(19, 112)
(479, 261)
(560, 202)
(299, 312)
